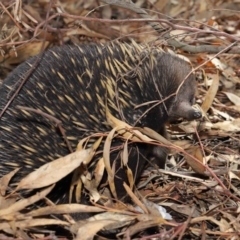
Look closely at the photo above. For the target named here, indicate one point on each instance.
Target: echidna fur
(74, 84)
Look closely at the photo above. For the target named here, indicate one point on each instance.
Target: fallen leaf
(196, 152)
(233, 98)
(211, 93)
(53, 171)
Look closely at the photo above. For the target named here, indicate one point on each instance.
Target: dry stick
(9, 14)
(201, 65)
(179, 149)
(131, 6)
(29, 72)
(212, 173)
(181, 230)
(170, 38)
(150, 20)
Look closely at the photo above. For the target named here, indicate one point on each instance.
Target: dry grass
(201, 192)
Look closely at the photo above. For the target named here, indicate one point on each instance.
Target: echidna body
(75, 84)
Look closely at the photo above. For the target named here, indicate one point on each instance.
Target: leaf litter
(199, 188)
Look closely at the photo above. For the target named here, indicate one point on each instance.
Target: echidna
(75, 84)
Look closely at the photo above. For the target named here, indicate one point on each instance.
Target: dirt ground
(199, 187)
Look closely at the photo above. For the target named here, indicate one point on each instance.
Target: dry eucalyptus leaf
(53, 171)
(130, 177)
(88, 230)
(106, 159)
(121, 127)
(225, 115)
(106, 12)
(4, 181)
(185, 209)
(134, 198)
(196, 152)
(106, 152)
(236, 108)
(233, 98)
(76, 185)
(154, 135)
(85, 31)
(188, 127)
(218, 64)
(204, 218)
(233, 222)
(99, 171)
(211, 93)
(184, 144)
(7, 202)
(6, 227)
(25, 51)
(228, 126)
(150, 221)
(30, 11)
(161, 4)
(176, 9)
(156, 210)
(106, 221)
(64, 208)
(81, 144)
(23, 203)
(226, 226)
(233, 176)
(125, 153)
(118, 219)
(91, 186)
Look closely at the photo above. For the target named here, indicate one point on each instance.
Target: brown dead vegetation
(200, 186)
